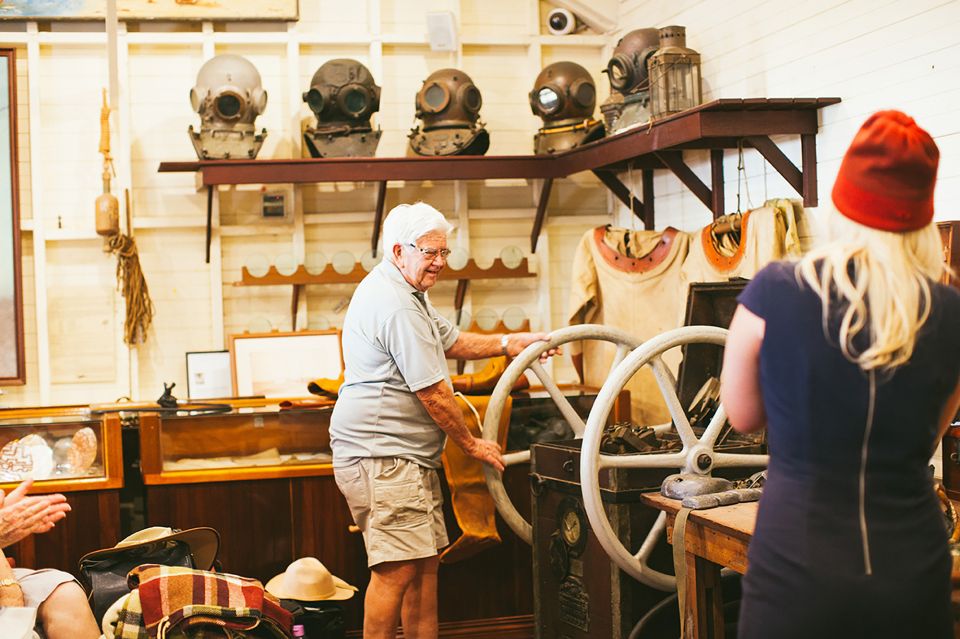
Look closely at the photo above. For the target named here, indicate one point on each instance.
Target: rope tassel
(133, 287)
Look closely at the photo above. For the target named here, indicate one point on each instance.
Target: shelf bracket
(378, 216)
(808, 156)
(209, 218)
(787, 169)
(674, 161)
(716, 179)
(458, 300)
(541, 213)
(459, 297)
(295, 305)
(648, 213)
(621, 191)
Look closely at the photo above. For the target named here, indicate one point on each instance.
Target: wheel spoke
(725, 460)
(566, 409)
(622, 350)
(519, 457)
(649, 543)
(660, 429)
(651, 460)
(668, 389)
(715, 426)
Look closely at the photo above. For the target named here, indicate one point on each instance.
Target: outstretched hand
(22, 515)
(516, 342)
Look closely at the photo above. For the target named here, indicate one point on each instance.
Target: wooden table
(715, 538)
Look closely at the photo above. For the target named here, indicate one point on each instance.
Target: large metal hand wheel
(697, 455)
(529, 358)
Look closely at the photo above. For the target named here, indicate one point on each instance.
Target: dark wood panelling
(92, 524)
(252, 517)
(320, 529)
(520, 627)
(499, 581)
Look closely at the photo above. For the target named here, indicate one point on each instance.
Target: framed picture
(150, 10)
(282, 364)
(208, 375)
(11, 294)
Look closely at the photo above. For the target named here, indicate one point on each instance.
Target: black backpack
(319, 619)
(106, 578)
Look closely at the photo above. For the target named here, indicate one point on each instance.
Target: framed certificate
(282, 364)
(208, 375)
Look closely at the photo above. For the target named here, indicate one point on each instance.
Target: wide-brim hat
(306, 579)
(203, 543)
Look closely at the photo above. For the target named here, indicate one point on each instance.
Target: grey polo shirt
(393, 345)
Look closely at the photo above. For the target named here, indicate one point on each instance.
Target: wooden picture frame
(192, 10)
(282, 364)
(11, 291)
(208, 374)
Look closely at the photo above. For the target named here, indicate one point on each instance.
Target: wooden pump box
(579, 593)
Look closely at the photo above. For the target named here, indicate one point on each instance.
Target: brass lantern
(674, 72)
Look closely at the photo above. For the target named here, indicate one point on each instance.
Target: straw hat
(306, 579)
(203, 542)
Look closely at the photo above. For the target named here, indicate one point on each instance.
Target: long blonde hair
(878, 278)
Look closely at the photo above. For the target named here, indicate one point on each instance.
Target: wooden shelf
(714, 126)
(302, 277)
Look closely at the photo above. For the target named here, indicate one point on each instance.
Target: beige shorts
(397, 505)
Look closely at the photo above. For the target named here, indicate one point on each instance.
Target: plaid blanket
(166, 602)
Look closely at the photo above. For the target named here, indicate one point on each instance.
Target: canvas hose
(133, 287)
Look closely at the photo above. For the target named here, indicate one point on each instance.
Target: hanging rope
(133, 287)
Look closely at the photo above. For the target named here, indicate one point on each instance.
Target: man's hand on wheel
(486, 451)
(516, 342)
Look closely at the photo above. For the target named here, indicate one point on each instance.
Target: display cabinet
(267, 442)
(62, 453)
(66, 450)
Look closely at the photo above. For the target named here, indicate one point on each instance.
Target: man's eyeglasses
(431, 253)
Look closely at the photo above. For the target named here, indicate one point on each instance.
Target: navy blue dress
(849, 540)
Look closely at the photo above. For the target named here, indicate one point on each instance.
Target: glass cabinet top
(51, 448)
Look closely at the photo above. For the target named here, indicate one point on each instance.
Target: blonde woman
(851, 360)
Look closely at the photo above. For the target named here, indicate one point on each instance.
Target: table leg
(703, 614)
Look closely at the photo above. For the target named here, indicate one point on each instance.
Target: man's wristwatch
(6, 581)
(503, 344)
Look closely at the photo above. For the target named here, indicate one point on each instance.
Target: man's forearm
(475, 346)
(442, 407)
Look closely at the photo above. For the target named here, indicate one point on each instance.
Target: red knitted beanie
(887, 176)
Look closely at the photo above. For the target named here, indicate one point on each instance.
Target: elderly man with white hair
(394, 411)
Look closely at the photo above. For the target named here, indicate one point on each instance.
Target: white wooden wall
(874, 54)
(73, 313)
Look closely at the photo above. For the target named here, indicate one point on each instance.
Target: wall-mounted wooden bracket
(642, 209)
(459, 297)
(772, 154)
(620, 191)
(541, 213)
(674, 161)
(648, 199)
(209, 218)
(803, 181)
(716, 181)
(378, 216)
(295, 304)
